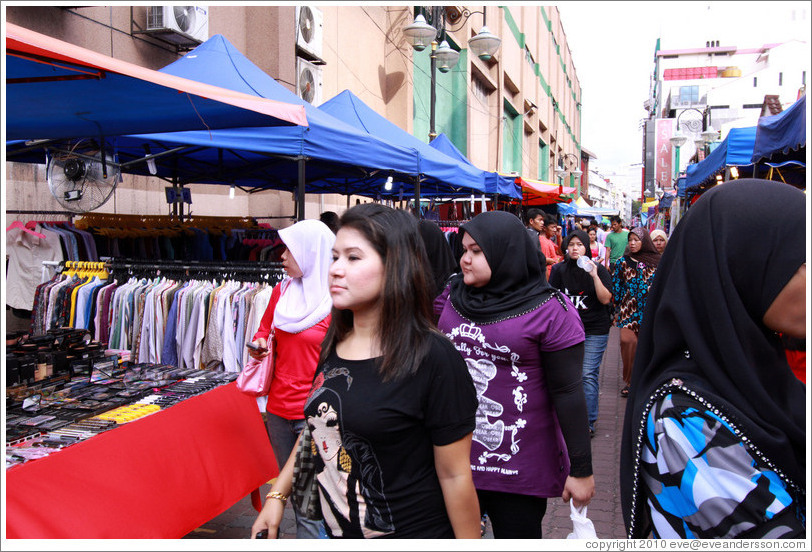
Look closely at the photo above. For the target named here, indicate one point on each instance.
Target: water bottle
(585, 263)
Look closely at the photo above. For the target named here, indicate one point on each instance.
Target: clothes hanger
(21, 226)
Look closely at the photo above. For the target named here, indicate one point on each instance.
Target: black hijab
(648, 253)
(572, 273)
(439, 253)
(718, 276)
(518, 281)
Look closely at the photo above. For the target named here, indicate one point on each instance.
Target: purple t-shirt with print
(517, 444)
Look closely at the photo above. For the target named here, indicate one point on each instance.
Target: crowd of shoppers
(418, 421)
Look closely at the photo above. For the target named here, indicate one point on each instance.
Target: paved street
(604, 511)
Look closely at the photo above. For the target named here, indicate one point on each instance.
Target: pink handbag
(255, 378)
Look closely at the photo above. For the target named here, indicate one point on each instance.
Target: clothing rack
(69, 214)
(450, 223)
(268, 271)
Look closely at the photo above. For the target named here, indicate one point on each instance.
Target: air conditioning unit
(308, 81)
(182, 25)
(309, 30)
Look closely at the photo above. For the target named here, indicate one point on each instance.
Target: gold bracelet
(277, 495)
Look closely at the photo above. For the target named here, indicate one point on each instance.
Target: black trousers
(513, 516)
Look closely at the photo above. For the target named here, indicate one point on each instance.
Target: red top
(296, 358)
(797, 361)
(550, 251)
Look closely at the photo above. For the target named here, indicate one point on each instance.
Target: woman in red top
(299, 311)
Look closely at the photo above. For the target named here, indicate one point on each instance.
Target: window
(755, 82)
(544, 161)
(688, 94)
(479, 152)
(529, 57)
(512, 140)
(780, 79)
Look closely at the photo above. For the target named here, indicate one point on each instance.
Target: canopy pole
(300, 196)
(417, 196)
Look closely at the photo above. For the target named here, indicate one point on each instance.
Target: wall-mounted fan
(80, 182)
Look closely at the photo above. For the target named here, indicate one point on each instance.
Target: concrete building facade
(722, 87)
(518, 111)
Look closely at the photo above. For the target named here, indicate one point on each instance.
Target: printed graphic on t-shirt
(491, 431)
(578, 299)
(353, 501)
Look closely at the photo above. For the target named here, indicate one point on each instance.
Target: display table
(158, 477)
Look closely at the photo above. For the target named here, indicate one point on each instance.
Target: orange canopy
(536, 192)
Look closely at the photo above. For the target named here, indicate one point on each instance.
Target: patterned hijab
(306, 300)
(648, 254)
(703, 323)
(518, 281)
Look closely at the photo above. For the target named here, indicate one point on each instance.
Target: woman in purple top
(524, 344)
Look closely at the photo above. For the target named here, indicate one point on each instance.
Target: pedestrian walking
(523, 344)
(714, 438)
(631, 279)
(587, 284)
(392, 407)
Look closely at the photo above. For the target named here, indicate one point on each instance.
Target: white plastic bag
(582, 527)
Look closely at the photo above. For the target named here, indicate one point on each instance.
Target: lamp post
(708, 135)
(561, 172)
(424, 32)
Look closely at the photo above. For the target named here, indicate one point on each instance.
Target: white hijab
(306, 301)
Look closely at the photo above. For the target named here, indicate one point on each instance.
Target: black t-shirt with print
(375, 441)
(594, 314)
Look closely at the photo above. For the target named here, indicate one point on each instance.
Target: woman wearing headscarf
(714, 436)
(588, 287)
(631, 278)
(659, 239)
(439, 253)
(299, 312)
(523, 344)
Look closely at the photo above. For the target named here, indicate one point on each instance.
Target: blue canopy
(495, 183)
(56, 90)
(781, 137)
(446, 176)
(333, 157)
(261, 156)
(735, 150)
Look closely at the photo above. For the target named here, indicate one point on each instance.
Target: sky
(612, 45)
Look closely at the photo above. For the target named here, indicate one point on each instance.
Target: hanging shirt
(25, 255)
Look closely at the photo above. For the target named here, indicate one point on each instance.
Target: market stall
(536, 192)
(161, 476)
(735, 151)
(779, 151)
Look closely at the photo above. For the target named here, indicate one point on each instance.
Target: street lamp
(679, 138)
(424, 32)
(561, 172)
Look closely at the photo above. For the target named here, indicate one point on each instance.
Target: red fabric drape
(158, 477)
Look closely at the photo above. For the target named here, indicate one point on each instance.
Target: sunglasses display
(65, 389)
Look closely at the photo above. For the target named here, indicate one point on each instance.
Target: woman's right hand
(262, 352)
(269, 518)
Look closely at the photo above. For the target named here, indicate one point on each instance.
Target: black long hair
(406, 310)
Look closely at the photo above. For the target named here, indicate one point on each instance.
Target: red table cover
(158, 477)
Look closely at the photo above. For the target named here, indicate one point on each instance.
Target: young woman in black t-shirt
(393, 406)
(590, 292)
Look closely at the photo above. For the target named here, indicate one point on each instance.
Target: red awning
(58, 90)
(536, 192)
